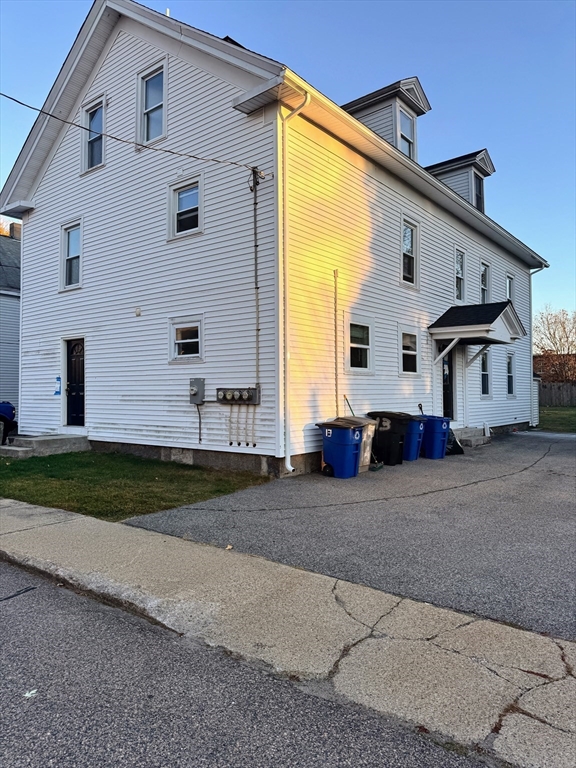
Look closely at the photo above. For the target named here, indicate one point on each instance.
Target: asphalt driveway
(491, 532)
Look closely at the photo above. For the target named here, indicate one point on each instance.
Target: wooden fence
(554, 394)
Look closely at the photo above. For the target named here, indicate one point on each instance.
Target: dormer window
(479, 192)
(406, 134)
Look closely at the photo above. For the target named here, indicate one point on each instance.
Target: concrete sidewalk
(505, 692)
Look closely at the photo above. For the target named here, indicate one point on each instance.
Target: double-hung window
(71, 255)
(94, 147)
(485, 374)
(153, 112)
(359, 346)
(409, 350)
(484, 283)
(409, 252)
(186, 342)
(359, 343)
(459, 275)
(479, 192)
(185, 207)
(509, 287)
(510, 374)
(406, 134)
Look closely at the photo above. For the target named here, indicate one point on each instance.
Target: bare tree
(554, 338)
(4, 227)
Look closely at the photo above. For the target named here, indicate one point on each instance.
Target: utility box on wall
(197, 391)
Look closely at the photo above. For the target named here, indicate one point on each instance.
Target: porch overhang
(479, 324)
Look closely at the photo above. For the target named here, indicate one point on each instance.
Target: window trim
(91, 106)
(185, 321)
(160, 65)
(511, 357)
(462, 299)
(172, 206)
(64, 257)
(487, 373)
(351, 318)
(410, 221)
(413, 331)
(488, 280)
(475, 177)
(510, 281)
(401, 135)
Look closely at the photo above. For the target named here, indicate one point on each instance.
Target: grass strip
(557, 419)
(113, 486)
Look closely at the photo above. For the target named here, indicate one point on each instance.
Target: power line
(136, 143)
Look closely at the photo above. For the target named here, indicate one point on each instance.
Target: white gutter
(285, 253)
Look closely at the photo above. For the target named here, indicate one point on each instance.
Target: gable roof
(495, 323)
(409, 90)
(480, 160)
(278, 83)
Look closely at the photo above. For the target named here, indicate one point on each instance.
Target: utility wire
(136, 143)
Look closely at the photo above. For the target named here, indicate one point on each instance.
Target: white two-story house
(215, 255)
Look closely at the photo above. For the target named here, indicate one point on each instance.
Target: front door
(75, 382)
(448, 385)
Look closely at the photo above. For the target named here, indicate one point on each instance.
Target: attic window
(479, 192)
(153, 113)
(94, 148)
(406, 134)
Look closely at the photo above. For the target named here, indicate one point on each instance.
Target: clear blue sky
(499, 74)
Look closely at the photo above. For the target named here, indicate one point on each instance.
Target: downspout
(285, 251)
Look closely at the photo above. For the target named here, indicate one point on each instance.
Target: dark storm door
(448, 385)
(75, 383)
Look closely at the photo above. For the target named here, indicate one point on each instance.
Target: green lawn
(114, 486)
(558, 419)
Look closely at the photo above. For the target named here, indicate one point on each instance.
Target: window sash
(406, 134)
(153, 108)
(408, 254)
(484, 284)
(510, 374)
(459, 275)
(95, 139)
(187, 208)
(409, 353)
(72, 257)
(479, 192)
(359, 345)
(187, 341)
(485, 374)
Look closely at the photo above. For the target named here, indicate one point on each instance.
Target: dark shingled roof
(471, 314)
(9, 263)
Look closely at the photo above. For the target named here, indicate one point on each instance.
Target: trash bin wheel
(328, 470)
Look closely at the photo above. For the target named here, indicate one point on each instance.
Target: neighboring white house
(9, 314)
(250, 253)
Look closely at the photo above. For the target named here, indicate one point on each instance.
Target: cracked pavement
(493, 689)
(489, 533)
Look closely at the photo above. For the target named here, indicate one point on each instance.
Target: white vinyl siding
(459, 181)
(134, 281)
(327, 177)
(380, 120)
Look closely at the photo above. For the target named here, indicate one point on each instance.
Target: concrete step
(469, 432)
(474, 442)
(15, 452)
(47, 445)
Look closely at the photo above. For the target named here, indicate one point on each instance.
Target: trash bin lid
(346, 422)
(392, 415)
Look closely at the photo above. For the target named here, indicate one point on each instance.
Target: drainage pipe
(285, 254)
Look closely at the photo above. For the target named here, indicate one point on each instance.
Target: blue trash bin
(413, 437)
(341, 443)
(435, 437)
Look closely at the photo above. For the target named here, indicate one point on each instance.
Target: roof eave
(368, 143)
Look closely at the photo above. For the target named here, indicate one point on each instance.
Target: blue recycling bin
(341, 443)
(435, 438)
(413, 437)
